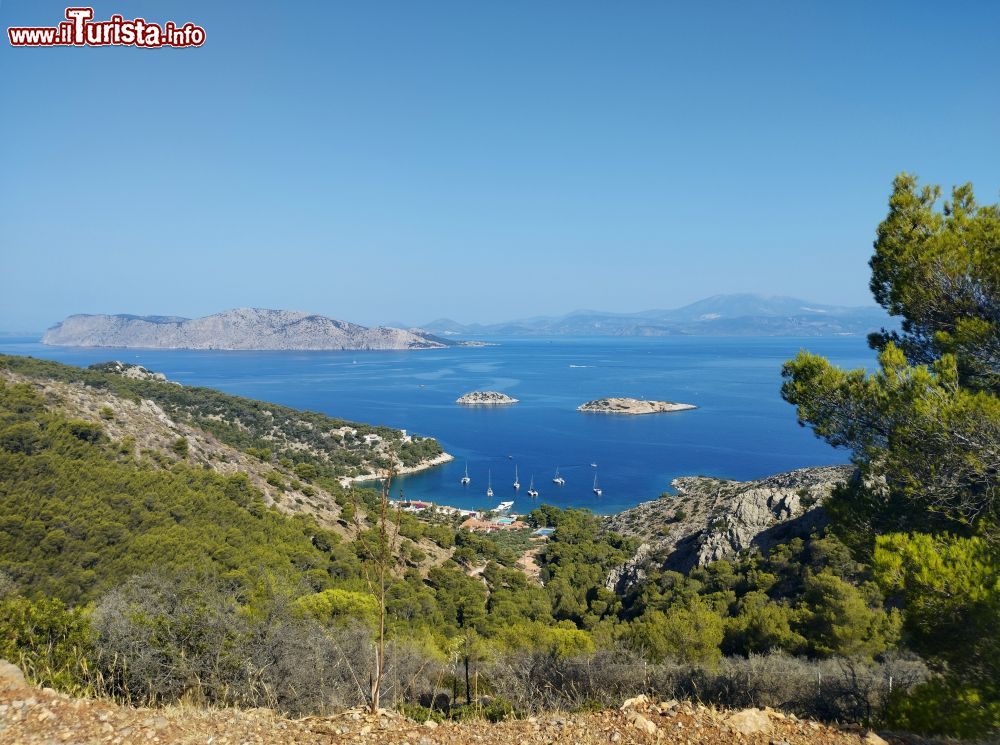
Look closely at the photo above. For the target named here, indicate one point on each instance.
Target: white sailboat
(465, 479)
(532, 491)
(489, 486)
(558, 479)
(597, 489)
(517, 481)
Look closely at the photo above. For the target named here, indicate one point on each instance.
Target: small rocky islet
(485, 398)
(619, 405)
(611, 405)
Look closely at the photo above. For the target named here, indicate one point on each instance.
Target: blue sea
(740, 430)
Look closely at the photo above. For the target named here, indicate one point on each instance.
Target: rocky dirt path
(42, 716)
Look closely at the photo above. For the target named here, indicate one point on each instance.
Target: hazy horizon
(412, 323)
(391, 162)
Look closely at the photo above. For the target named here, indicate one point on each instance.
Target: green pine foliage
(805, 597)
(81, 517)
(924, 431)
(78, 518)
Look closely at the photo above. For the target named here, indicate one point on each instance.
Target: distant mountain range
(241, 328)
(257, 328)
(720, 315)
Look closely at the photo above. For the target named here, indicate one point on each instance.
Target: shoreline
(438, 460)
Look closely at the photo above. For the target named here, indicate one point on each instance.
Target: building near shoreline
(480, 525)
(413, 505)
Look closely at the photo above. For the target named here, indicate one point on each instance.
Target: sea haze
(741, 430)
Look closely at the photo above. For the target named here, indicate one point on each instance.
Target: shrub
(336, 606)
(306, 471)
(691, 634)
(940, 706)
(85, 431)
(47, 640)
(835, 689)
(180, 447)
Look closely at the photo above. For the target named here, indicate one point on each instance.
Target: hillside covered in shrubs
(167, 571)
(144, 575)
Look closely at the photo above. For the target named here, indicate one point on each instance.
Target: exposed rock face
(631, 406)
(485, 398)
(712, 519)
(129, 370)
(242, 328)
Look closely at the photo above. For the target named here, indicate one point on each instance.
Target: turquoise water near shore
(741, 430)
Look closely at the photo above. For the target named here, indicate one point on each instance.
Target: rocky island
(485, 398)
(237, 329)
(631, 406)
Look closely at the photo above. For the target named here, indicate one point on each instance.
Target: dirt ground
(31, 715)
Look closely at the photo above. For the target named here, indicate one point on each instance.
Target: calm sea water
(741, 430)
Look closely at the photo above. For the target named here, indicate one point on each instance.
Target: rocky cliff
(241, 328)
(710, 519)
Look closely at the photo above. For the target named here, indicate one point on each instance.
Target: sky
(400, 162)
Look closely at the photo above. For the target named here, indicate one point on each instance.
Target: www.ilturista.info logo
(80, 30)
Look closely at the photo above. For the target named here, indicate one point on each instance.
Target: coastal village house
(482, 525)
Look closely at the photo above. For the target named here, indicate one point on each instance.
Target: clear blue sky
(401, 161)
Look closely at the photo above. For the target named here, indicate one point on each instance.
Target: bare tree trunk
(468, 688)
(377, 574)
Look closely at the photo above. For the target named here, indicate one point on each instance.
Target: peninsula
(237, 329)
(485, 398)
(631, 406)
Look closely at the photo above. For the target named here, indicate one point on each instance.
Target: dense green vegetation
(114, 556)
(925, 433)
(78, 517)
(806, 597)
(148, 578)
(313, 444)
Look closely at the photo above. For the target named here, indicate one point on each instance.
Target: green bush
(180, 447)
(48, 641)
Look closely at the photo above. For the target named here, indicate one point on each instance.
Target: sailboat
(597, 489)
(465, 479)
(532, 491)
(489, 487)
(517, 481)
(558, 479)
